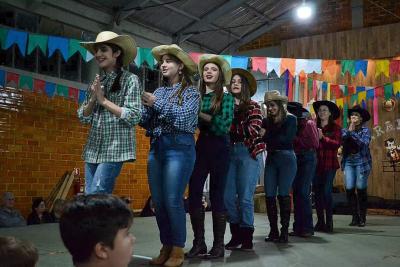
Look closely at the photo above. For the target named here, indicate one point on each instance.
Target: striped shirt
(167, 116)
(247, 128)
(362, 138)
(221, 121)
(113, 139)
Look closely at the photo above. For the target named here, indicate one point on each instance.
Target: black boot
(319, 208)
(284, 209)
(272, 213)
(236, 239)
(363, 203)
(199, 244)
(247, 237)
(219, 226)
(352, 201)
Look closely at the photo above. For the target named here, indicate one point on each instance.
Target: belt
(305, 151)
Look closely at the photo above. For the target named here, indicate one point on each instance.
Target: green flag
(348, 65)
(62, 90)
(345, 111)
(74, 46)
(144, 55)
(26, 82)
(388, 91)
(3, 37)
(37, 40)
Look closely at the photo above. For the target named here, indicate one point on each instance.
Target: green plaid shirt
(222, 120)
(113, 139)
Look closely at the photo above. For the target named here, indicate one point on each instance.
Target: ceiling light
(304, 11)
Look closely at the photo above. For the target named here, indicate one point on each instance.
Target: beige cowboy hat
(127, 44)
(275, 95)
(174, 50)
(249, 77)
(220, 61)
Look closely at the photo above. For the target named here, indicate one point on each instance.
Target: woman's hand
(97, 91)
(148, 99)
(262, 132)
(320, 133)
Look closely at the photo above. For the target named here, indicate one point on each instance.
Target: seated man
(9, 216)
(16, 253)
(95, 230)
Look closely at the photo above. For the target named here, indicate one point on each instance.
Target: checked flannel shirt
(113, 139)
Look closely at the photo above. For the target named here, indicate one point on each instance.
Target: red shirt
(307, 136)
(328, 147)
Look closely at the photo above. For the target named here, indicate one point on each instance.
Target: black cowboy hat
(297, 109)
(363, 112)
(333, 108)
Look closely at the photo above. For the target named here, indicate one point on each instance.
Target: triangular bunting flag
(239, 62)
(74, 46)
(62, 90)
(259, 63)
(19, 38)
(26, 82)
(73, 93)
(12, 79)
(3, 37)
(39, 86)
(50, 89)
(59, 43)
(37, 40)
(382, 66)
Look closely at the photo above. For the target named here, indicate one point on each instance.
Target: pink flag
(259, 63)
(376, 111)
(195, 56)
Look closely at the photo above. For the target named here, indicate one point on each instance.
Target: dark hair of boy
(92, 219)
(17, 253)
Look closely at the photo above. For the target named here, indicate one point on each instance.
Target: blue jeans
(323, 184)
(280, 170)
(241, 182)
(100, 177)
(353, 175)
(306, 164)
(170, 163)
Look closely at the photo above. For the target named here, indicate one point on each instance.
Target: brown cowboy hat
(249, 77)
(297, 109)
(274, 95)
(333, 108)
(363, 113)
(174, 50)
(125, 42)
(220, 61)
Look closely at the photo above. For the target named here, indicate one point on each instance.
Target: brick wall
(41, 138)
(332, 16)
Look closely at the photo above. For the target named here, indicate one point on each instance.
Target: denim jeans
(241, 182)
(100, 177)
(212, 157)
(280, 170)
(323, 184)
(170, 163)
(353, 175)
(306, 164)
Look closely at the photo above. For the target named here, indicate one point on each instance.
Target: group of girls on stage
(233, 136)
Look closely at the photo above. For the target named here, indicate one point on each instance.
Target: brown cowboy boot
(175, 258)
(162, 257)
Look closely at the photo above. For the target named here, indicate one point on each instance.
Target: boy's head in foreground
(17, 253)
(95, 230)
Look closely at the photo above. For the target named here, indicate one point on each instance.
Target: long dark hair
(184, 80)
(219, 90)
(282, 113)
(244, 95)
(116, 86)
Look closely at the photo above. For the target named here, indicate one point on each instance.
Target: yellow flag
(362, 96)
(339, 102)
(382, 66)
(328, 92)
(396, 87)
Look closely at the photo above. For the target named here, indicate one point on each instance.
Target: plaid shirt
(362, 137)
(167, 116)
(113, 139)
(327, 150)
(307, 136)
(221, 121)
(247, 127)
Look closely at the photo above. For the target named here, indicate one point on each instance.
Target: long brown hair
(219, 90)
(244, 95)
(282, 113)
(184, 80)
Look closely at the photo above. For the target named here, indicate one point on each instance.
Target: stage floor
(377, 244)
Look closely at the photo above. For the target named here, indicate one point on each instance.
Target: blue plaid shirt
(362, 137)
(167, 116)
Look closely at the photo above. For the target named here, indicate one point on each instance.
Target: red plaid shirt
(247, 129)
(328, 147)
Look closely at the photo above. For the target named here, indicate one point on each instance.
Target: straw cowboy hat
(274, 95)
(297, 109)
(363, 113)
(125, 42)
(220, 61)
(249, 77)
(333, 108)
(174, 50)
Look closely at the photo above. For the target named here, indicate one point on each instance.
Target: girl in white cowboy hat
(112, 108)
(357, 163)
(327, 163)
(170, 118)
(280, 166)
(212, 154)
(245, 160)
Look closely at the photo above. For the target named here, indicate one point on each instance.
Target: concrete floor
(378, 244)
